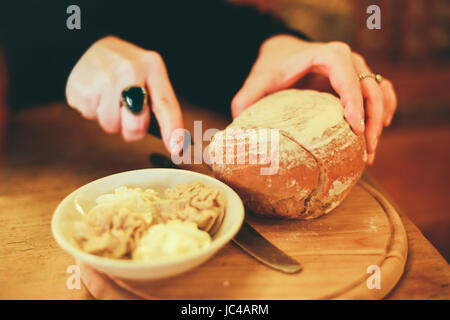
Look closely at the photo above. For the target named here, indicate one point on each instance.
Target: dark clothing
(209, 46)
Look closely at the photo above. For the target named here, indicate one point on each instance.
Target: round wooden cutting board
(339, 253)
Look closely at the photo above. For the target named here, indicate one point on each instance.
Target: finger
(370, 158)
(333, 61)
(374, 105)
(108, 111)
(85, 102)
(374, 111)
(164, 103)
(336, 62)
(82, 97)
(101, 286)
(134, 127)
(390, 101)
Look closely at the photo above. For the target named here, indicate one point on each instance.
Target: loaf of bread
(306, 164)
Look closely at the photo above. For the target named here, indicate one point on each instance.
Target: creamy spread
(167, 240)
(141, 224)
(193, 202)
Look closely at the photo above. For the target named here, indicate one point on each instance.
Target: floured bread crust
(320, 158)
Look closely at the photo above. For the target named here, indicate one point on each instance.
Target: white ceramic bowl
(158, 179)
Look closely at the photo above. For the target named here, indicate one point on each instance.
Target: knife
(247, 239)
(258, 247)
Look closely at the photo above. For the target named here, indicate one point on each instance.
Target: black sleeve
(209, 45)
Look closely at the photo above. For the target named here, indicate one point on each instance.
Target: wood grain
(51, 150)
(335, 252)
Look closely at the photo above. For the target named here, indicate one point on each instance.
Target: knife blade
(248, 239)
(258, 247)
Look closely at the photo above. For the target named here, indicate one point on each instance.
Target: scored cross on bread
(319, 158)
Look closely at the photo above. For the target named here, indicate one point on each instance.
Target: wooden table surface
(50, 151)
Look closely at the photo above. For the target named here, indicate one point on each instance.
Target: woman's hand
(109, 66)
(283, 60)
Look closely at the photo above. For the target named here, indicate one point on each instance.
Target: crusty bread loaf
(318, 157)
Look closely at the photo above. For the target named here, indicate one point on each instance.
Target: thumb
(255, 87)
(265, 78)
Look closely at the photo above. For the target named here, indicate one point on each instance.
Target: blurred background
(413, 50)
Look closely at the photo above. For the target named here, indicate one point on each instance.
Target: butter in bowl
(148, 224)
